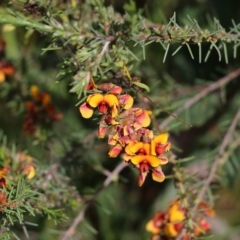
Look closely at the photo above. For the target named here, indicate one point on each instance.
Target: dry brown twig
(81, 214)
(212, 87)
(214, 167)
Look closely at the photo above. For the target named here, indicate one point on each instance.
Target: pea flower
(105, 103)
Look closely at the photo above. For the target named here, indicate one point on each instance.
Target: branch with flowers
(127, 130)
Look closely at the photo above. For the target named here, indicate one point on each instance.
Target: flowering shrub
(56, 55)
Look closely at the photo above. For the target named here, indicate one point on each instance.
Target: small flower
(142, 119)
(29, 171)
(39, 111)
(105, 103)
(159, 145)
(154, 225)
(136, 117)
(176, 216)
(125, 101)
(6, 69)
(139, 155)
(3, 173)
(26, 165)
(169, 224)
(35, 93)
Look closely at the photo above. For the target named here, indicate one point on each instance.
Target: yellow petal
(34, 91)
(170, 230)
(86, 110)
(133, 147)
(143, 119)
(150, 227)
(158, 175)
(153, 147)
(161, 139)
(175, 212)
(95, 99)
(146, 147)
(111, 100)
(2, 76)
(151, 160)
(114, 113)
(30, 172)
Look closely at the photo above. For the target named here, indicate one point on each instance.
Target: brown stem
(202, 94)
(81, 214)
(214, 167)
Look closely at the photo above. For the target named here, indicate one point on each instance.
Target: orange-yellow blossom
(103, 102)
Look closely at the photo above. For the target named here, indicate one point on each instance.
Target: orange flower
(139, 154)
(29, 171)
(26, 165)
(154, 225)
(169, 224)
(40, 110)
(35, 93)
(6, 69)
(176, 216)
(125, 101)
(3, 173)
(142, 119)
(103, 102)
(159, 144)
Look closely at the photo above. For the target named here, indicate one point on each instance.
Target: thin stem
(214, 168)
(81, 214)
(212, 87)
(218, 158)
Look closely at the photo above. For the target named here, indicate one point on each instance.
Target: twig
(104, 49)
(81, 214)
(218, 158)
(202, 94)
(214, 167)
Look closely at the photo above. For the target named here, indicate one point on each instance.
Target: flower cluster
(127, 129)
(167, 225)
(23, 164)
(39, 111)
(6, 68)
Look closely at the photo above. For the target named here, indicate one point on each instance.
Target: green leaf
(142, 85)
